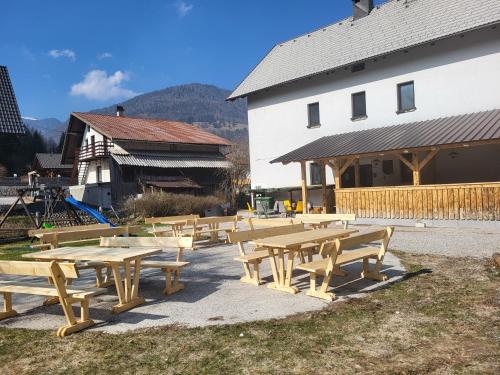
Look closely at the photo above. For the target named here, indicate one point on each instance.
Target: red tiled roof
(149, 130)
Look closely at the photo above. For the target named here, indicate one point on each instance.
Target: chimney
(361, 8)
(119, 111)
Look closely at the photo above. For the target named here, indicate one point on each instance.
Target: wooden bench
(54, 240)
(173, 221)
(255, 257)
(269, 223)
(344, 218)
(172, 269)
(39, 232)
(211, 226)
(347, 250)
(58, 273)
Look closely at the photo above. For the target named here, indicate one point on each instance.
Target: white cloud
(97, 85)
(183, 8)
(57, 53)
(105, 55)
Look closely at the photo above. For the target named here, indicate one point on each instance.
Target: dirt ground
(443, 317)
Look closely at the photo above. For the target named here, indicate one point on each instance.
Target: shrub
(167, 204)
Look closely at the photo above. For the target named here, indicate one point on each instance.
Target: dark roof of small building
(390, 27)
(464, 129)
(51, 161)
(149, 130)
(10, 117)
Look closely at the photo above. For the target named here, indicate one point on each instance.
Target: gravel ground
(456, 242)
(213, 295)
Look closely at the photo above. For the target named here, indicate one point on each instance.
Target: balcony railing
(95, 150)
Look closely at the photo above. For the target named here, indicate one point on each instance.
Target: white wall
(455, 76)
(92, 171)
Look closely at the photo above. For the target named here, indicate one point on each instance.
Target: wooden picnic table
(318, 223)
(176, 226)
(291, 243)
(127, 287)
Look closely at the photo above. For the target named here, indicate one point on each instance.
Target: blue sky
(68, 56)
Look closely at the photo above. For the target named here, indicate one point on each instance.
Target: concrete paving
(213, 295)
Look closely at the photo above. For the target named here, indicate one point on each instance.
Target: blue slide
(101, 219)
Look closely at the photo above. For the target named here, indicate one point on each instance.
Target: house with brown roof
(49, 165)
(115, 157)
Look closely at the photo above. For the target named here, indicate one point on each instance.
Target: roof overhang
(467, 130)
(158, 160)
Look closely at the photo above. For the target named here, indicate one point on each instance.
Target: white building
(398, 63)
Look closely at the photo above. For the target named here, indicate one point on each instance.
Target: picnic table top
(317, 221)
(287, 241)
(94, 253)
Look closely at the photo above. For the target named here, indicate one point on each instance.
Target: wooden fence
(477, 201)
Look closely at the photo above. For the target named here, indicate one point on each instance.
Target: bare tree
(236, 177)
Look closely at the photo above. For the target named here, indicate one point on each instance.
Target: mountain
(50, 128)
(197, 104)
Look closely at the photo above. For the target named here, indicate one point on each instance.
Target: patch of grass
(444, 321)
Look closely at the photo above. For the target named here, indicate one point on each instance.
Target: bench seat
(347, 250)
(46, 290)
(319, 266)
(163, 264)
(172, 271)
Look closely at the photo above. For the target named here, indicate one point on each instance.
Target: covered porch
(443, 169)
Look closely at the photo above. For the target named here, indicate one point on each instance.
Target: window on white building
(359, 106)
(313, 115)
(406, 97)
(99, 173)
(315, 170)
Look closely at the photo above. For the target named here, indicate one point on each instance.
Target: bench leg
(7, 312)
(375, 274)
(172, 284)
(103, 282)
(322, 291)
(251, 277)
(74, 325)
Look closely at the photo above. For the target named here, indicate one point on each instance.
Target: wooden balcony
(94, 151)
(467, 201)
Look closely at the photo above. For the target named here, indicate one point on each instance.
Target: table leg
(127, 296)
(281, 281)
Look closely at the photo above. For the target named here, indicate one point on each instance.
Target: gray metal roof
(463, 129)
(164, 160)
(51, 161)
(10, 117)
(393, 26)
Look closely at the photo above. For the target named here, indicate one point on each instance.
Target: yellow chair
(300, 207)
(288, 205)
(250, 209)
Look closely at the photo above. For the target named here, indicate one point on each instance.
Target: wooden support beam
(346, 165)
(428, 158)
(336, 174)
(356, 173)
(324, 192)
(416, 170)
(304, 186)
(405, 161)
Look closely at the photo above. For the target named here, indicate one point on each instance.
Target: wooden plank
(43, 269)
(161, 242)
(440, 204)
(491, 201)
(103, 254)
(479, 202)
(304, 186)
(473, 204)
(249, 235)
(451, 204)
(168, 219)
(467, 204)
(38, 232)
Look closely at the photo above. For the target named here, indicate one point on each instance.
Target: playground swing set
(53, 197)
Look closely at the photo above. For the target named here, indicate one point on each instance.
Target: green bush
(167, 204)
